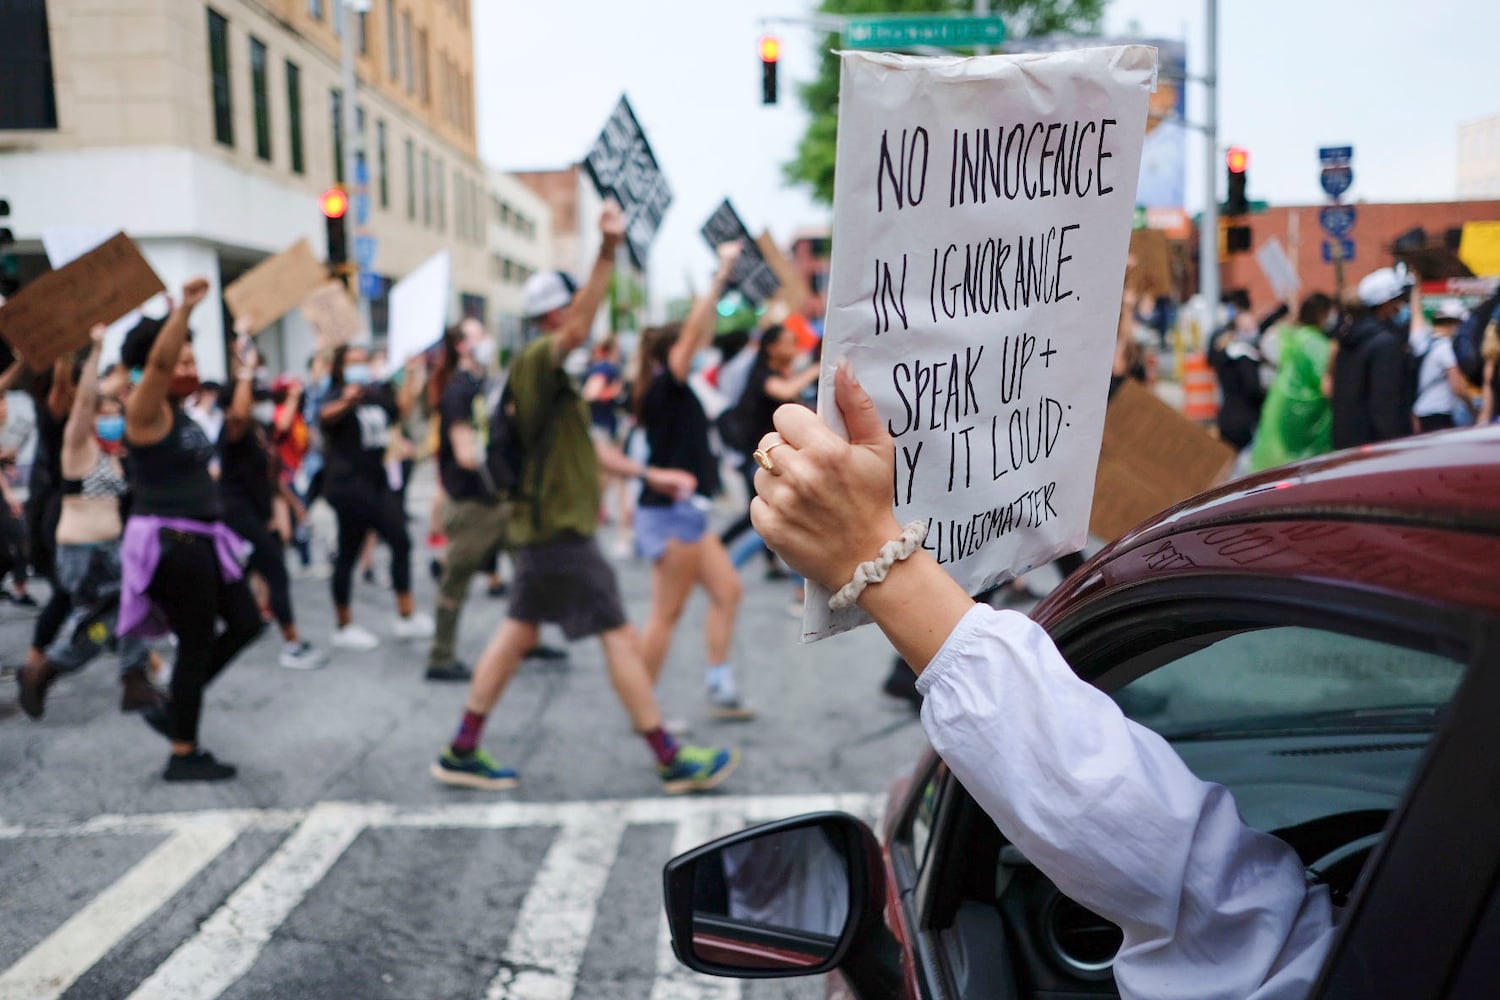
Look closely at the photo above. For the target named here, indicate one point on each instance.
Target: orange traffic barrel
(1200, 391)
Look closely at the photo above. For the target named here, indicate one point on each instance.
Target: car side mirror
(781, 899)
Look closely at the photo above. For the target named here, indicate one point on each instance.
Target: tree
(813, 164)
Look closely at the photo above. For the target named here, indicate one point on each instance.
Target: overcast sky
(1393, 79)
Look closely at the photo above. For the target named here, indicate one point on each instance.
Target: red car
(1321, 639)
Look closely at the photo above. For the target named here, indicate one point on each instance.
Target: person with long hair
(357, 419)
(671, 531)
(88, 549)
(180, 562)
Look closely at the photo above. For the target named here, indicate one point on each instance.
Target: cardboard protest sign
(333, 316)
(793, 291)
(1479, 247)
(1151, 273)
(65, 244)
(983, 210)
(752, 276)
(419, 309)
(1152, 457)
(274, 287)
(622, 167)
(52, 315)
(1278, 268)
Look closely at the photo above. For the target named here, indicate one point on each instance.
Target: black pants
(359, 514)
(190, 590)
(1436, 422)
(743, 523)
(268, 558)
(43, 510)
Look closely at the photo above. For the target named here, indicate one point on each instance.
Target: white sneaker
(302, 656)
(353, 637)
(418, 626)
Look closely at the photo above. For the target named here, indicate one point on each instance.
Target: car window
(1293, 680)
(923, 817)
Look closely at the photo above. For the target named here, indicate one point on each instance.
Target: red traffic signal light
(1237, 159)
(770, 52)
(335, 203)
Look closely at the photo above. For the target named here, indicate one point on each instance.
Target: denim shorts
(685, 520)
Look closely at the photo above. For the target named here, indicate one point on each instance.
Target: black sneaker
(33, 681)
(541, 652)
(455, 671)
(199, 765)
(497, 589)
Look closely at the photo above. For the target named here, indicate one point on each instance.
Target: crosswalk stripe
(552, 930)
(228, 943)
(47, 970)
(674, 981)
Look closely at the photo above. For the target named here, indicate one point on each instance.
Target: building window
(411, 181)
(260, 95)
(460, 229)
(408, 77)
(362, 23)
(315, 9)
(218, 64)
(426, 188)
(26, 67)
(294, 115)
(424, 78)
(336, 117)
(440, 209)
(382, 164)
(392, 62)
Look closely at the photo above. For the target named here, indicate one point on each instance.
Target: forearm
(615, 462)
(917, 606)
(586, 303)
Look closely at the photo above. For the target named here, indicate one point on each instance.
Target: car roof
(1418, 517)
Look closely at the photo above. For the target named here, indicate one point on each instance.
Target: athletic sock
(662, 745)
(467, 739)
(720, 680)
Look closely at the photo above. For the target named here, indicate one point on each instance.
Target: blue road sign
(1336, 180)
(364, 251)
(1335, 156)
(371, 285)
(361, 171)
(1337, 220)
(361, 203)
(1337, 249)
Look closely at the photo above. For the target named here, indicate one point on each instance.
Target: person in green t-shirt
(560, 574)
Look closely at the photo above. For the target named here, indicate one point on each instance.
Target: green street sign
(910, 32)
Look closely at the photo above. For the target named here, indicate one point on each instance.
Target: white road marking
(552, 930)
(46, 971)
(675, 981)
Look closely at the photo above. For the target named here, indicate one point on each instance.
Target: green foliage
(813, 164)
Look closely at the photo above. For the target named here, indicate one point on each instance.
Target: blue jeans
(90, 573)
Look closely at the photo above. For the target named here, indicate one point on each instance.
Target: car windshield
(1292, 680)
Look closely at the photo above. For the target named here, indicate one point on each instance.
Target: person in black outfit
(357, 419)
(1369, 396)
(53, 398)
(179, 559)
(1235, 356)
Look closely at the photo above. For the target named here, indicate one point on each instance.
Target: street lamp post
(345, 11)
(1208, 230)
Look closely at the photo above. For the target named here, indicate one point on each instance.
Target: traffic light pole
(1208, 229)
(352, 144)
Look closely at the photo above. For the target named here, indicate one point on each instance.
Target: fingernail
(847, 370)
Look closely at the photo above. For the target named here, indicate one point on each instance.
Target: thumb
(860, 416)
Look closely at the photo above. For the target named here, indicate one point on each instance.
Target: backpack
(1469, 337)
(504, 455)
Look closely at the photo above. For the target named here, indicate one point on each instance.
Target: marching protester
(180, 562)
(560, 574)
(1441, 390)
(1296, 421)
(357, 418)
(88, 550)
(604, 391)
(293, 440)
(249, 484)
(671, 531)
(52, 395)
(1369, 403)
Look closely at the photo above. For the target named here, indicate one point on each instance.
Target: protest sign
(65, 244)
(983, 209)
(419, 309)
(793, 291)
(274, 287)
(1479, 247)
(52, 315)
(333, 316)
(1151, 273)
(1280, 273)
(623, 167)
(752, 276)
(1151, 458)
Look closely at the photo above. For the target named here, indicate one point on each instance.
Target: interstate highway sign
(911, 32)
(1337, 220)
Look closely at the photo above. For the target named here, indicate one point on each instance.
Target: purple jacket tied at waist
(140, 553)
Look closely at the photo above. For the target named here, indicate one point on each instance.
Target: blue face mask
(357, 374)
(109, 427)
(1403, 315)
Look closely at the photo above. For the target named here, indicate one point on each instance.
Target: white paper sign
(419, 310)
(982, 214)
(1278, 269)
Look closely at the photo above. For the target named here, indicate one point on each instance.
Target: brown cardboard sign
(52, 315)
(274, 287)
(333, 316)
(1151, 273)
(1151, 458)
(793, 291)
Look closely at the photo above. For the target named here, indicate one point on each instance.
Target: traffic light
(1237, 239)
(335, 205)
(770, 53)
(1237, 159)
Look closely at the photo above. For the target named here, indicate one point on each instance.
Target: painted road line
(46, 971)
(552, 930)
(675, 981)
(230, 940)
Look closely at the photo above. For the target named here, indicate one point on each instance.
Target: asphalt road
(335, 867)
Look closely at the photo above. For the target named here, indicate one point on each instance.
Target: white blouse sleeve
(1210, 908)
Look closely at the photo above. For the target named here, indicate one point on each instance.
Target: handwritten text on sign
(982, 214)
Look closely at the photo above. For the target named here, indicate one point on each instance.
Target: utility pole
(1208, 230)
(344, 11)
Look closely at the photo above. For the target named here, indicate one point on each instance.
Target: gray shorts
(566, 582)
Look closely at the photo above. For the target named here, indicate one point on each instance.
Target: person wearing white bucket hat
(1369, 399)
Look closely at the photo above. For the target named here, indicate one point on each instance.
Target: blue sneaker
(697, 769)
(474, 770)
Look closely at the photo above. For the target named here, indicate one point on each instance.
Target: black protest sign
(623, 167)
(752, 274)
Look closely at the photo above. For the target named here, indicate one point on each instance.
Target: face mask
(1403, 315)
(109, 427)
(1331, 323)
(182, 386)
(357, 374)
(263, 413)
(483, 352)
